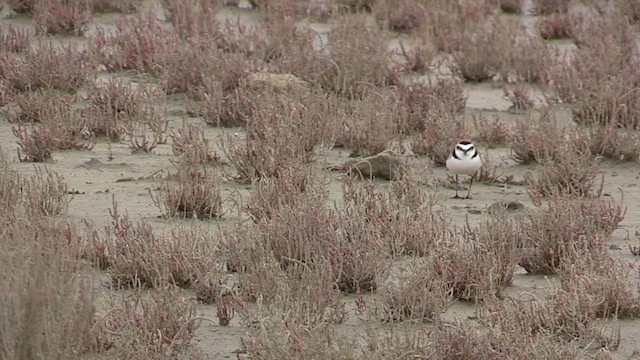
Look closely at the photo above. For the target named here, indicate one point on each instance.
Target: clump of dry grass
(46, 294)
(478, 261)
(49, 66)
(46, 193)
(475, 59)
(310, 233)
(283, 132)
(490, 132)
(600, 285)
(442, 130)
(159, 324)
(550, 234)
(33, 106)
(610, 141)
(300, 293)
(62, 16)
(408, 219)
(135, 44)
(360, 58)
(423, 97)
(115, 6)
(62, 128)
(420, 295)
(554, 26)
(193, 194)
(135, 255)
(377, 120)
(115, 107)
(519, 96)
(14, 39)
(538, 137)
(546, 7)
(192, 147)
(192, 18)
(403, 16)
(290, 189)
(511, 6)
(599, 79)
(275, 338)
(571, 172)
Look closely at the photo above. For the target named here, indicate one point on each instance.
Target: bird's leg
(469, 190)
(456, 197)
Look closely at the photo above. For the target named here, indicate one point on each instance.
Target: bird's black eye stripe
(475, 154)
(453, 153)
(465, 151)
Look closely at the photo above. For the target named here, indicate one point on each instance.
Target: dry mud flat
(111, 171)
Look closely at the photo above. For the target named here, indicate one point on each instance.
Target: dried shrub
(492, 132)
(408, 219)
(192, 18)
(194, 194)
(185, 68)
(478, 261)
(62, 16)
(527, 58)
(420, 295)
(572, 173)
(115, 106)
(135, 44)
(299, 294)
(550, 234)
(539, 137)
(564, 318)
(610, 141)
(519, 96)
(312, 234)
(22, 6)
(442, 130)
(134, 254)
(376, 121)
(116, 6)
(547, 7)
(555, 26)
(275, 338)
(282, 133)
(156, 324)
(46, 193)
(291, 188)
(600, 78)
(631, 9)
(49, 66)
(476, 58)
(600, 284)
(63, 128)
(14, 39)
(34, 106)
(462, 339)
(403, 16)
(360, 58)
(46, 294)
(34, 145)
(192, 147)
(419, 56)
(511, 6)
(289, 48)
(422, 98)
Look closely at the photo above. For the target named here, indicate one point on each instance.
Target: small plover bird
(465, 160)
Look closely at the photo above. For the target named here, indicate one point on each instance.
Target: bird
(464, 160)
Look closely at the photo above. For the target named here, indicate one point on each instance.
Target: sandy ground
(95, 178)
